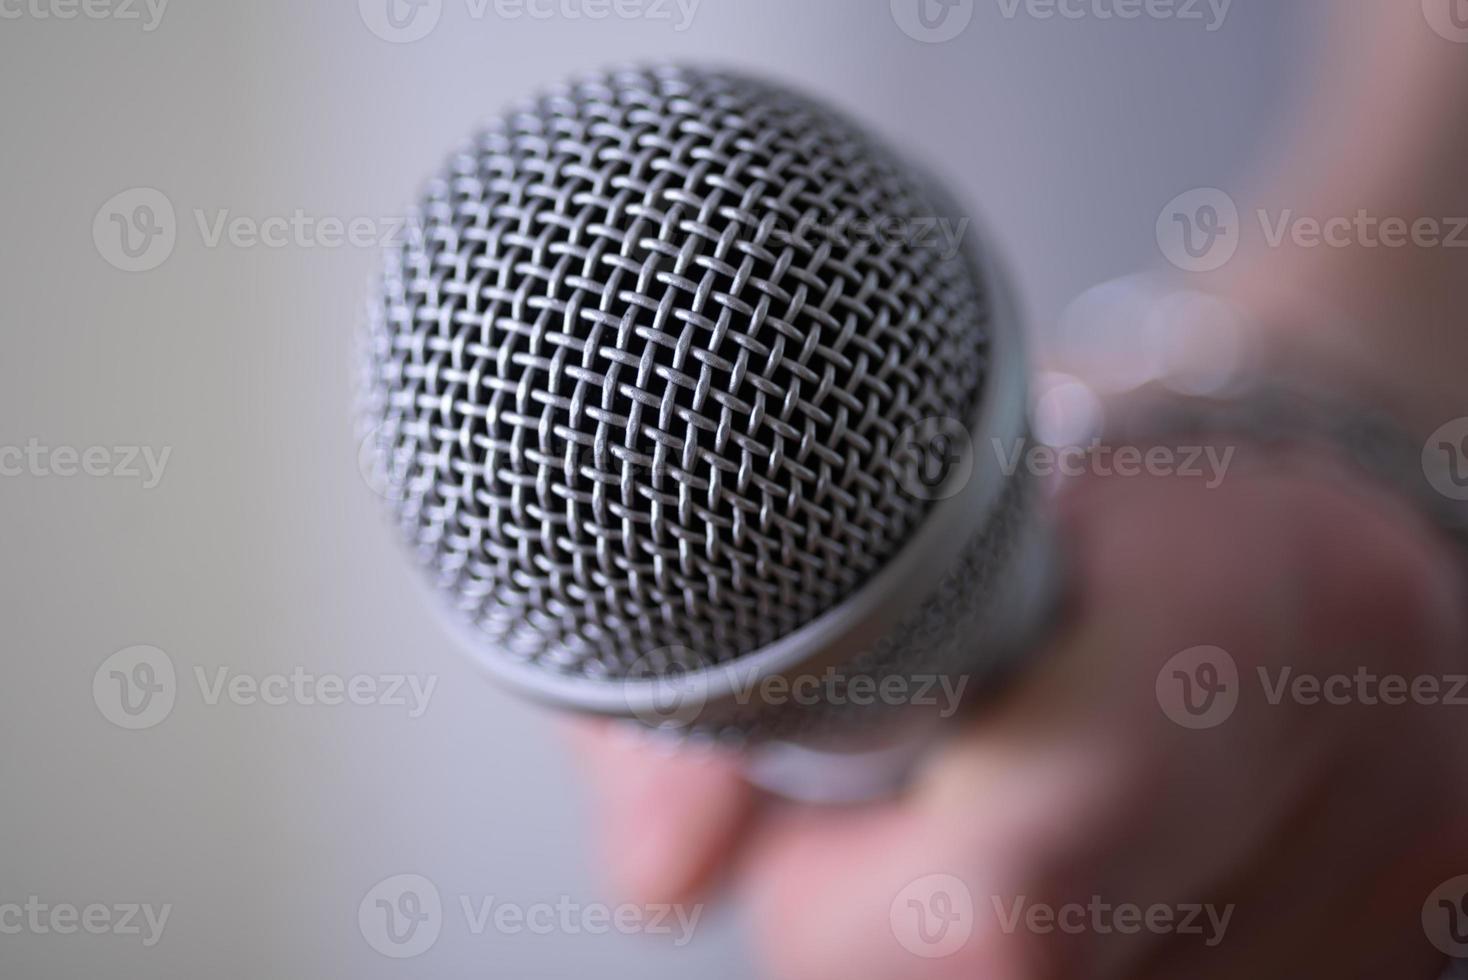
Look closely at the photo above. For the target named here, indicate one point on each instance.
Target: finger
(833, 892)
(668, 818)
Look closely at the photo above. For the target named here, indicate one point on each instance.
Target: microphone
(681, 388)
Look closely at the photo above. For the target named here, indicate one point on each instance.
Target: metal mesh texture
(972, 627)
(636, 376)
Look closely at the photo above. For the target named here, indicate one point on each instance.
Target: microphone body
(691, 419)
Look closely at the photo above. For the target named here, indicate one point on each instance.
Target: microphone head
(655, 384)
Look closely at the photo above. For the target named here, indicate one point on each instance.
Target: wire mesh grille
(637, 374)
(972, 627)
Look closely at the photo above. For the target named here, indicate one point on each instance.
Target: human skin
(1384, 131)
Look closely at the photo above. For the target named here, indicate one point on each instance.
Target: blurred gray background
(261, 550)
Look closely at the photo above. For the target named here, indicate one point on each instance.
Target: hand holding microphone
(652, 430)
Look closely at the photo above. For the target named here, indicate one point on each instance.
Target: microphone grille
(637, 374)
